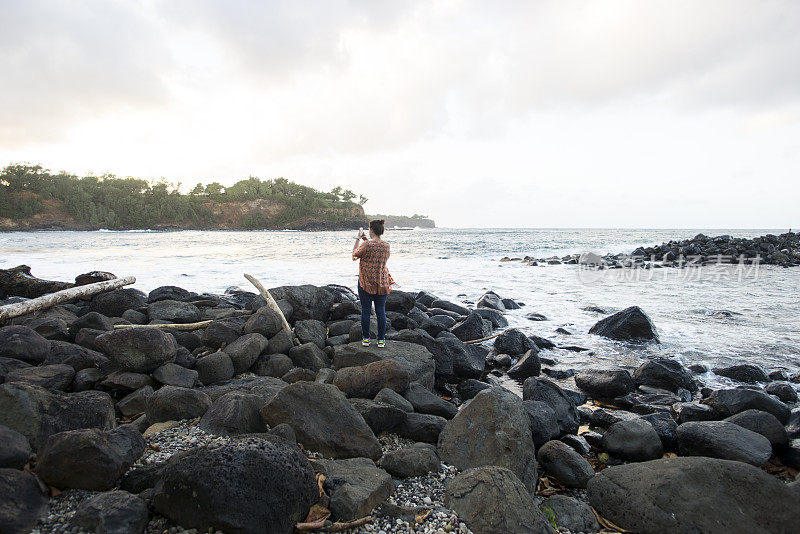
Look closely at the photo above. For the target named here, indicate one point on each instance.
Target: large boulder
(24, 344)
(249, 485)
(684, 412)
(140, 350)
(421, 427)
(732, 401)
(168, 293)
(467, 389)
(171, 403)
(544, 422)
(264, 387)
(425, 401)
(14, 448)
(417, 460)
(694, 495)
(745, 372)
(393, 398)
(172, 374)
(761, 423)
(416, 359)
(664, 373)
(173, 311)
(215, 367)
(220, 333)
(112, 512)
(22, 502)
(471, 328)
(630, 324)
(37, 413)
(442, 352)
(493, 316)
(323, 420)
(234, 413)
(265, 321)
(136, 402)
(548, 392)
(450, 306)
(281, 343)
(89, 459)
(513, 342)
(368, 380)
(10, 364)
(308, 356)
(307, 301)
(115, 303)
(492, 499)
(563, 463)
(666, 428)
(379, 416)
(725, 440)
(634, 440)
(527, 366)
(77, 357)
(93, 320)
(311, 331)
(54, 377)
(491, 300)
(355, 486)
(605, 383)
(783, 390)
(275, 365)
(245, 351)
(492, 429)
(400, 301)
(572, 514)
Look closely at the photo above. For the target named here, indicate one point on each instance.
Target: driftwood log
(18, 281)
(482, 339)
(47, 301)
(272, 304)
(182, 327)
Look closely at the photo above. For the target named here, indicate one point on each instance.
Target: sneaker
(365, 342)
(381, 342)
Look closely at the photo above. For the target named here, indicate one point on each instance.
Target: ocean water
(717, 315)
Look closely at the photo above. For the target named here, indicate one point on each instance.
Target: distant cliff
(413, 221)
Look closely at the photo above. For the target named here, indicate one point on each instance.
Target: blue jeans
(366, 310)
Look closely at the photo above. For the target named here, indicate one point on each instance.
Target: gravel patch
(412, 495)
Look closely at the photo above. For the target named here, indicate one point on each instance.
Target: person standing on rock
(374, 280)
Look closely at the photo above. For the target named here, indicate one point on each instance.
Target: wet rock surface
(693, 495)
(492, 499)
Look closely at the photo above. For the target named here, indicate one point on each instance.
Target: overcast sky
(479, 114)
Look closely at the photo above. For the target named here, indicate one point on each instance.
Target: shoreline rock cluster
(769, 249)
(243, 426)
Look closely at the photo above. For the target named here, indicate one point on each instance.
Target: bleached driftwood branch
(272, 304)
(183, 327)
(10, 311)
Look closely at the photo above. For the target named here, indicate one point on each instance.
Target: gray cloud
(65, 62)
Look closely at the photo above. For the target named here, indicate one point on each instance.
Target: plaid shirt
(373, 275)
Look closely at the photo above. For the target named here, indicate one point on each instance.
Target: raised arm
(359, 247)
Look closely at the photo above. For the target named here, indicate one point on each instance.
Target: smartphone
(361, 232)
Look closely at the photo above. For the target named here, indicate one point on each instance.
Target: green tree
(214, 188)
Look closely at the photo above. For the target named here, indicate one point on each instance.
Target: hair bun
(382, 221)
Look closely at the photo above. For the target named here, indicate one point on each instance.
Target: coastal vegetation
(38, 197)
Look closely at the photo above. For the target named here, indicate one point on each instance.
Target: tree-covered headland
(31, 196)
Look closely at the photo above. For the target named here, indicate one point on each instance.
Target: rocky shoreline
(239, 425)
(782, 250)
